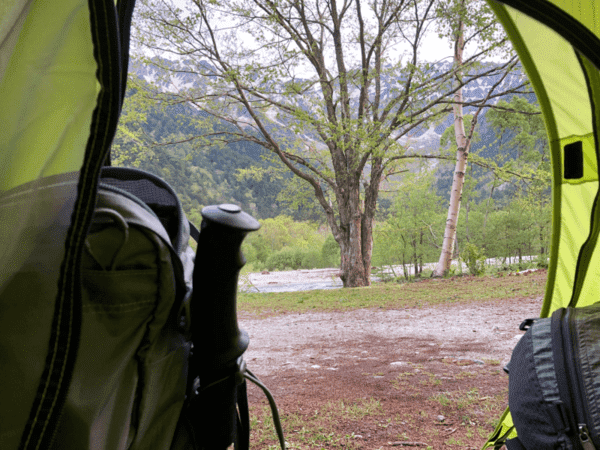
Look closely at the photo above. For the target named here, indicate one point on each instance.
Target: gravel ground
(482, 331)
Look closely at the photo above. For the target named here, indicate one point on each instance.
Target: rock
(407, 444)
(265, 272)
(440, 418)
(398, 363)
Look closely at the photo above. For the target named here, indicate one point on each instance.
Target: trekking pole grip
(216, 270)
(218, 341)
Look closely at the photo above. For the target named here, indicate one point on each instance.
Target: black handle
(218, 341)
(217, 338)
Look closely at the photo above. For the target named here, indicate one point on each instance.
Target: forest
(506, 209)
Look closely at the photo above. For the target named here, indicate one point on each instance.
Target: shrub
(474, 259)
(285, 259)
(312, 260)
(541, 262)
(330, 252)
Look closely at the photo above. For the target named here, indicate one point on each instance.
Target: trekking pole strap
(276, 420)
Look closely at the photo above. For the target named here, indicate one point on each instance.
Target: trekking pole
(218, 341)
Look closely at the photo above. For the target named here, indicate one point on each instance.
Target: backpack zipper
(571, 348)
(130, 196)
(584, 437)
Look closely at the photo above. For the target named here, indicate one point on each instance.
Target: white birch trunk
(462, 153)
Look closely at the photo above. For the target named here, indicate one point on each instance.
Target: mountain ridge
(261, 194)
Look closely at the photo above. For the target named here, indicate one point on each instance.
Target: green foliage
(407, 237)
(474, 258)
(285, 259)
(299, 196)
(522, 228)
(521, 157)
(282, 243)
(330, 252)
(154, 136)
(541, 262)
(312, 259)
(448, 139)
(295, 258)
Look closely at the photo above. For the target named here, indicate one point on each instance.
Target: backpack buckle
(526, 324)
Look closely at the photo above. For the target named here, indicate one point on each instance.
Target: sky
(433, 48)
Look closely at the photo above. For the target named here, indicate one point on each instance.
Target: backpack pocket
(129, 381)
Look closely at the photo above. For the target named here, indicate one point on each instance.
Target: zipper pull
(584, 437)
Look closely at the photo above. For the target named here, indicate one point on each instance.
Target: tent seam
(587, 248)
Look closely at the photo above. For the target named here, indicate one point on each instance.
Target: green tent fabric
(558, 42)
(61, 89)
(62, 72)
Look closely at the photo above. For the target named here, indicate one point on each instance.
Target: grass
(427, 292)
(315, 429)
(491, 362)
(469, 415)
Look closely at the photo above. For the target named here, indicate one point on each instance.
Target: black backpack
(554, 382)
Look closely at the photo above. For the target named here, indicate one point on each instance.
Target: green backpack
(129, 381)
(136, 383)
(103, 342)
(128, 384)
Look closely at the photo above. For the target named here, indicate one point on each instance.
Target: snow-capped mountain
(423, 138)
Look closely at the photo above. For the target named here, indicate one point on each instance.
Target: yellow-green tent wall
(62, 71)
(559, 46)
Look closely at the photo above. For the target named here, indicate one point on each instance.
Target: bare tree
(332, 88)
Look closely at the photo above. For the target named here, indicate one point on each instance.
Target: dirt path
(434, 374)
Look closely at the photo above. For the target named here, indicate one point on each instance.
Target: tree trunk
(462, 153)
(421, 255)
(487, 210)
(542, 250)
(354, 272)
(467, 235)
(355, 236)
(355, 230)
